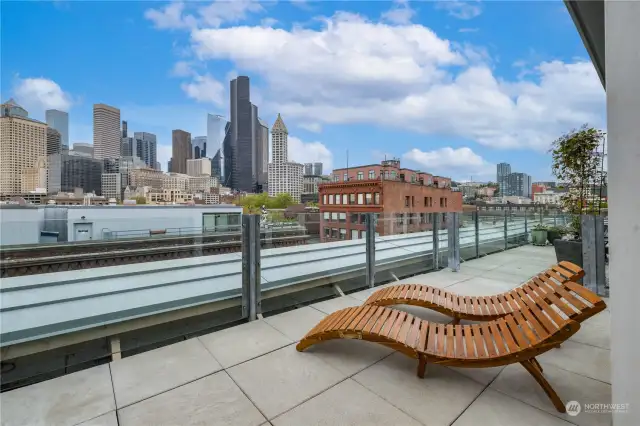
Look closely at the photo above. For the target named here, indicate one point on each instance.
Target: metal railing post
(526, 227)
(370, 245)
(251, 276)
(477, 232)
(436, 241)
(506, 235)
(453, 234)
(593, 255)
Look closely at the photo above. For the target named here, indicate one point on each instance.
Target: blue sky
(449, 87)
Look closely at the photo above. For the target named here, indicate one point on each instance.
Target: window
(372, 174)
(354, 234)
(334, 216)
(334, 233)
(413, 201)
(386, 174)
(345, 177)
(327, 215)
(406, 201)
(343, 234)
(360, 175)
(442, 202)
(330, 198)
(336, 178)
(393, 174)
(324, 199)
(426, 203)
(413, 178)
(345, 199)
(363, 218)
(327, 233)
(342, 217)
(354, 218)
(360, 198)
(368, 199)
(376, 198)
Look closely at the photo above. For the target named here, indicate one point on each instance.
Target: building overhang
(588, 17)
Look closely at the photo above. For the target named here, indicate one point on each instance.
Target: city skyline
(476, 92)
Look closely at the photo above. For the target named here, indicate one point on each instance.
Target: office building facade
(519, 185)
(111, 186)
(284, 176)
(107, 137)
(503, 171)
(68, 172)
(317, 169)
(199, 167)
(58, 120)
(54, 141)
(81, 148)
(216, 165)
(146, 148)
(217, 127)
(180, 151)
(198, 147)
(22, 141)
(262, 155)
(308, 169)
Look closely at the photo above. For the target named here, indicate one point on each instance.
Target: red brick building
(405, 200)
(537, 188)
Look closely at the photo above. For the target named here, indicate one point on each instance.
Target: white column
(623, 109)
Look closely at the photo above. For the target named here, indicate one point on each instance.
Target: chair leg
(422, 366)
(530, 366)
(537, 364)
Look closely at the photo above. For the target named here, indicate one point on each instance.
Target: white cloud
(400, 13)
(458, 163)
(182, 69)
(310, 152)
(205, 88)
(39, 94)
(312, 127)
(406, 77)
(171, 17)
(460, 9)
(163, 155)
(268, 22)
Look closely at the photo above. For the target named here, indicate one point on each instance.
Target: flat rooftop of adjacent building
(251, 374)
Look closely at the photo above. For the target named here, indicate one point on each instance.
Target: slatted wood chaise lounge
(519, 336)
(557, 286)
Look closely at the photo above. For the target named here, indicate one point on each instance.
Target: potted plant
(576, 161)
(555, 233)
(539, 235)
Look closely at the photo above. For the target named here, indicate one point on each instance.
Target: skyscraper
(54, 141)
(58, 120)
(317, 169)
(181, 151)
(284, 176)
(262, 155)
(504, 170)
(22, 141)
(308, 169)
(107, 138)
(69, 171)
(216, 165)
(146, 148)
(217, 126)
(243, 167)
(81, 148)
(198, 147)
(124, 129)
(519, 184)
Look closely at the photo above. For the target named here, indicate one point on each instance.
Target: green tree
(282, 201)
(140, 200)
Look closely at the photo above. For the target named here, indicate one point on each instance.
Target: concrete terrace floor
(251, 374)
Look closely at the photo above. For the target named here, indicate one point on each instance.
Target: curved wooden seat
(517, 337)
(556, 285)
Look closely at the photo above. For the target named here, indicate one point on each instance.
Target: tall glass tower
(216, 127)
(59, 120)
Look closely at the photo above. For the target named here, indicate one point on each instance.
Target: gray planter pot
(538, 237)
(570, 251)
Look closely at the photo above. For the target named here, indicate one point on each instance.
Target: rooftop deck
(251, 374)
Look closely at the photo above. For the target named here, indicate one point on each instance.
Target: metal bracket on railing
(436, 241)
(370, 245)
(251, 302)
(593, 254)
(453, 234)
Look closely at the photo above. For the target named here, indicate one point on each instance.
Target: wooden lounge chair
(516, 337)
(556, 285)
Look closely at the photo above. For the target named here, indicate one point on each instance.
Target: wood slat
(501, 346)
(339, 319)
(432, 340)
(353, 325)
(441, 338)
(468, 340)
(477, 337)
(422, 340)
(378, 315)
(384, 317)
(488, 339)
(525, 328)
(365, 319)
(404, 329)
(386, 327)
(534, 324)
(427, 294)
(517, 334)
(583, 292)
(503, 328)
(449, 342)
(393, 331)
(459, 349)
(413, 333)
(538, 314)
(566, 295)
